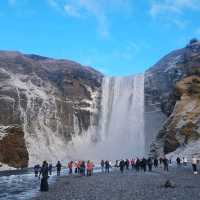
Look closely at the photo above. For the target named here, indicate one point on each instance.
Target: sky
(116, 37)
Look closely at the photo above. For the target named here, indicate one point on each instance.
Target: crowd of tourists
(83, 168)
(142, 164)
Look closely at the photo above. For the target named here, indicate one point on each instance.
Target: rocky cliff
(44, 103)
(51, 109)
(173, 85)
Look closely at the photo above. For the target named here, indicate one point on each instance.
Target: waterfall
(122, 116)
(120, 133)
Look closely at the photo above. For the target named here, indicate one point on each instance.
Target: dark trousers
(194, 167)
(58, 172)
(44, 186)
(150, 167)
(166, 168)
(107, 170)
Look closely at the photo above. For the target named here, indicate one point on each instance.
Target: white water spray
(121, 127)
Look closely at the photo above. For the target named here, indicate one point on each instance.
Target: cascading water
(120, 133)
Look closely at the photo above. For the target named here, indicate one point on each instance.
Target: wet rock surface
(130, 185)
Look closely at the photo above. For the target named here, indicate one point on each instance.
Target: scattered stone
(169, 184)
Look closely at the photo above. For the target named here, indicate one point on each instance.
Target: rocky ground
(130, 185)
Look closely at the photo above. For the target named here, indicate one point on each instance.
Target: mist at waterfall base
(120, 133)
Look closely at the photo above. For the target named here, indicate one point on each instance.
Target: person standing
(76, 167)
(194, 164)
(89, 168)
(137, 164)
(82, 169)
(58, 168)
(70, 166)
(160, 160)
(44, 186)
(117, 163)
(102, 166)
(166, 164)
(185, 161)
(79, 167)
(36, 170)
(50, 169)
(178, 161)
(150, 164)
(144, 164)
(132, 163)
(107, 167)
(155, 162)
(127, 164)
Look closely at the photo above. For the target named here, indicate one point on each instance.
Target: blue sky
(117, 37)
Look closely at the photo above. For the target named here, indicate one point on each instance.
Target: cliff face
(46, 105)
(173, 83)
(50, 100)
(13, 147)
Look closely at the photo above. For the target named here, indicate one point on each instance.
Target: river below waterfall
(23, 185)
(20, 185)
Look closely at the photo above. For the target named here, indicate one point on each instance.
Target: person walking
(121, 166)
(58, 168)
(44, 186)
(194, 164)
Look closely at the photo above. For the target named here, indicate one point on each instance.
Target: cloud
(173, 6)
(172, 12)
(99, 10)
(71, 10)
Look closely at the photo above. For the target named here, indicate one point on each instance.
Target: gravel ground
(128, 186)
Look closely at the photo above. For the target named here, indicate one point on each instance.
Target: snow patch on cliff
(3, 131)
(173, 63)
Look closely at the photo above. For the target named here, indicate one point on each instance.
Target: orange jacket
(89, 166)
